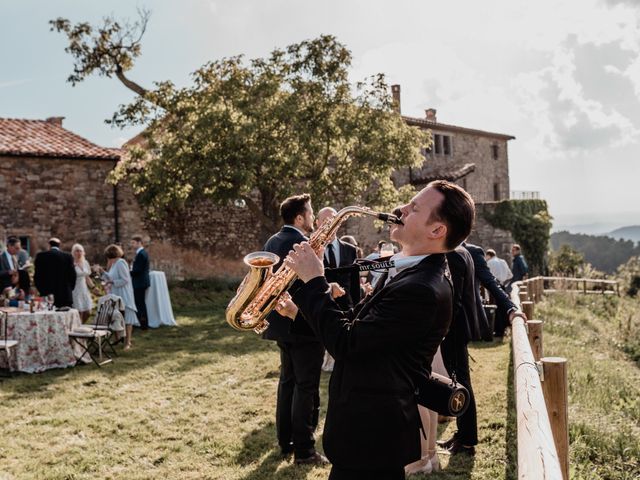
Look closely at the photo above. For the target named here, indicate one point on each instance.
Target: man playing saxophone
(388, 341)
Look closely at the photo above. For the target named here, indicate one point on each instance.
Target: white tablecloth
(159, 311)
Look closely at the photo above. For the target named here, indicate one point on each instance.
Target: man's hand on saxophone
(304, 261)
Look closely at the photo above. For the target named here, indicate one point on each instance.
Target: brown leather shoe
(315, 459)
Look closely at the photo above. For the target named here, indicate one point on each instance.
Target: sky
(562, 76)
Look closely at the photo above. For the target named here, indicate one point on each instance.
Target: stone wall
(65, 198)
(70, 199)
(487, 236)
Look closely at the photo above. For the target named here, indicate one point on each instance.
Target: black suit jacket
(55, 274)
(5, 268)
(490, 283)
(465, 325)
(140, 270)
(280, 328)
(349, 280)
(381, 348)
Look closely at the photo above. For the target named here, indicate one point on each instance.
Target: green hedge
(530, 224)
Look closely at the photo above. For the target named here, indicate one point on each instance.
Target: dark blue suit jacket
(485, 278)
(520, 268)
(140, 270)
(281, 328)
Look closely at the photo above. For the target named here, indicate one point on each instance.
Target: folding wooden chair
(6, 345)
(94, 338)
(91, 342)
(102, 322)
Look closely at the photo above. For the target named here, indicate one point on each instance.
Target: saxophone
(261, 289)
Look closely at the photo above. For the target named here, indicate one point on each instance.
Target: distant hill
(604, 253)
(627, 233)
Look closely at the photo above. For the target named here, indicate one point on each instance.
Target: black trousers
(141, 306)
(338, 473)
(298, 404)
(456, 358)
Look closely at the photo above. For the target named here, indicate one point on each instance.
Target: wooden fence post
(534, 331)
(524, 296)
(556, 397)
(527, 308)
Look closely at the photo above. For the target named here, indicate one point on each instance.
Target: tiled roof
(451, 174)
(423, 123)
(47, 138)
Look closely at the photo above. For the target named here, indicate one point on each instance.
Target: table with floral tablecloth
(43, 340)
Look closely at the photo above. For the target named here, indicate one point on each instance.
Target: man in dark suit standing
(140, 279)
(519, 267)
(55, 274)
(454, 347)
(386, 344)
(301, 353)
(340, 254)
(9, 264)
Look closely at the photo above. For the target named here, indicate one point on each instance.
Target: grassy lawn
(198, 401)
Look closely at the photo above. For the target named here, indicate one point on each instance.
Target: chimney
(55, 121)
(395, 92)
(430, 115)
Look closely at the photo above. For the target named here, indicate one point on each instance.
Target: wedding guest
(520, 267)
(9, 264)
(351, 240)
(119, 283)
(498, 267)
(55, 274)
(429, 461)
(81, 297)
(140, 278)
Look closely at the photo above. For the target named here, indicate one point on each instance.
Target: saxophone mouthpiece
(390, 218)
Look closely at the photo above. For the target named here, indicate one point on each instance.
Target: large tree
(253, 131)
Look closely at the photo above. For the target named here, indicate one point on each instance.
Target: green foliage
(629, 275)
(597, 334)
(566, 262)
(109, 49)
(604, 253)
(529, 222)
(257, 130)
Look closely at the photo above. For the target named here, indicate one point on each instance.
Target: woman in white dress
(118, 280)
(81, 297)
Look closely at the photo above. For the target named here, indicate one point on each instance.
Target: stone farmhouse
(57, 185)
(53, 183)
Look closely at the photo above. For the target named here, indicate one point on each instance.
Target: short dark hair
(293, 206)
(491, 252)
(113, 251)
(457, 210)
(12, 241)
(54, 242)
(137, 238)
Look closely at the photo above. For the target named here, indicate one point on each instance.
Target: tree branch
(130, 84)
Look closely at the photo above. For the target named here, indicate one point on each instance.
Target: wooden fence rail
(537, 453)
